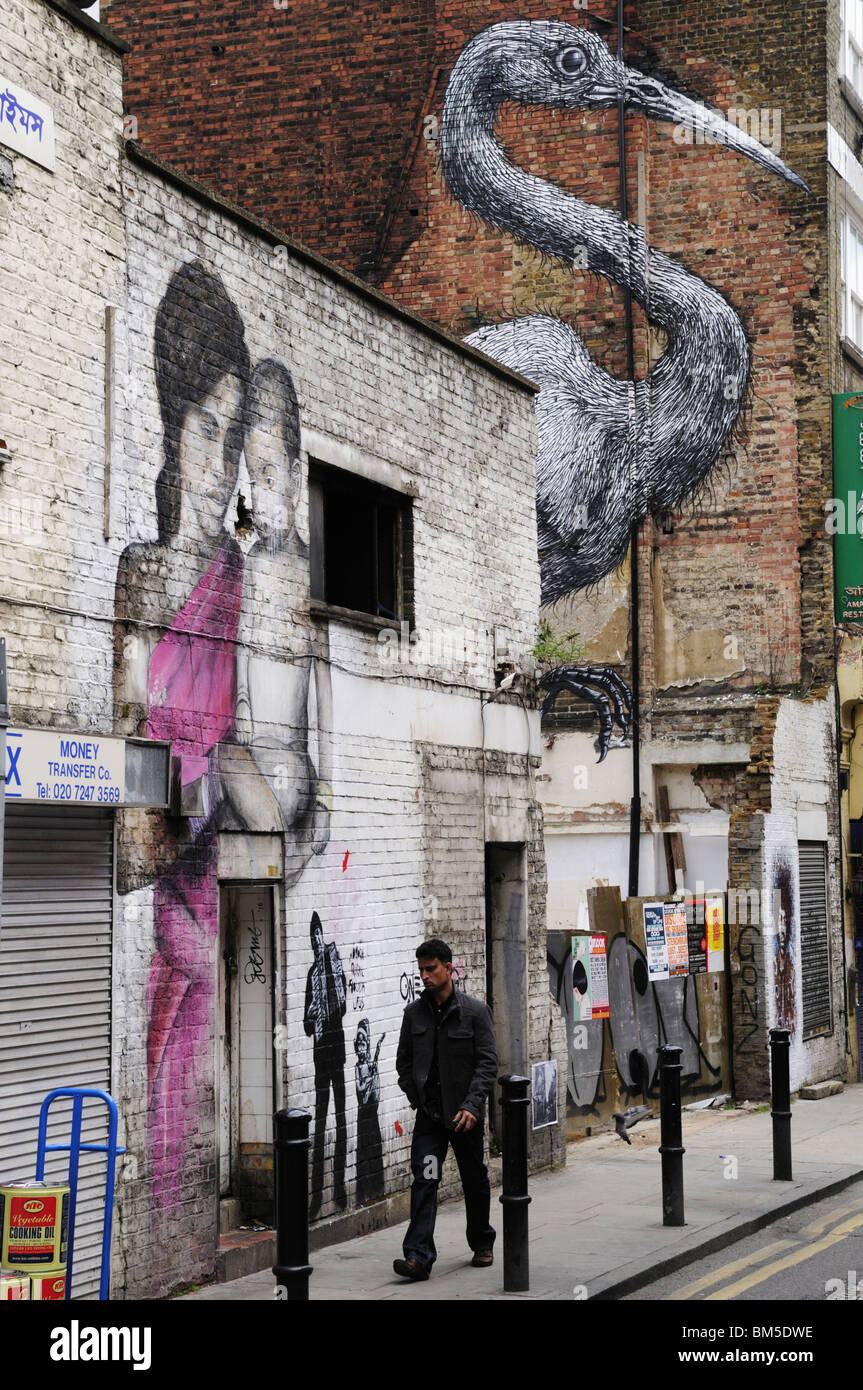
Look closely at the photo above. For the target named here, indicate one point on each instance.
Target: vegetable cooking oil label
(35, 1226)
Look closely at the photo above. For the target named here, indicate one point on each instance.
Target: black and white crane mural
(610, 450)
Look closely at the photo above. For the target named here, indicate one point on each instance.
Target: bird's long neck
(556, 222)
(694, 393)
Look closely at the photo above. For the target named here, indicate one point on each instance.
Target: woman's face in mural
(209, 444)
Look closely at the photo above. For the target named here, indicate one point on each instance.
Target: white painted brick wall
(63, 261)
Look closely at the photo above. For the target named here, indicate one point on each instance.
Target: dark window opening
(361, 544)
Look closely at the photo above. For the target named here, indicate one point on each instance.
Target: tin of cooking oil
(34, 1226)
(47, 1286)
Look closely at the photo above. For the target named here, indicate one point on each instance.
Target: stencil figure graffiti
(610, 451)
(326, 1003)
(370, 1158)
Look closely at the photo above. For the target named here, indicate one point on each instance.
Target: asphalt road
(816, 1255)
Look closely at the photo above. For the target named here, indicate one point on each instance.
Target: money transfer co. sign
(44, 765)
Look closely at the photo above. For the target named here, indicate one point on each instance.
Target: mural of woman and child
(215, 584)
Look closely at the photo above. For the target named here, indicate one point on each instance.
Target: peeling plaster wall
(803, 809)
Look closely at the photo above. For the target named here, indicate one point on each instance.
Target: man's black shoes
(483, 1258)
(410, 1269)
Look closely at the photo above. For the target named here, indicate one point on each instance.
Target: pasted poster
(582, 996)
(696, 934)
(598, 977)
(676, 943)
(543, 1093)
(714, 921)
(589, 978)
(654, 938)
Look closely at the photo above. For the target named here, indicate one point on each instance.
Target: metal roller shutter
(814, 938)
(55, 998)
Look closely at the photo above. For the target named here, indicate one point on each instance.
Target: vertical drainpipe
(635, 804)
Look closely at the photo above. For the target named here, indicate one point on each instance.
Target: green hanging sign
(846, 522)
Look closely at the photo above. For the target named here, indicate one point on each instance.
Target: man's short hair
(435, 949)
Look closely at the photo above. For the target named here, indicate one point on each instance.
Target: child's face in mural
(208, 448)
(275, 477)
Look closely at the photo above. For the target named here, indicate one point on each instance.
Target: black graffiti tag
(748, 984)
(356, 983)
(254, 970)
(410, 987)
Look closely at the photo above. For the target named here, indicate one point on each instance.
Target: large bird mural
(610, 450)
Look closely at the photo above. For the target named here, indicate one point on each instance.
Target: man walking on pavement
(447, 1064)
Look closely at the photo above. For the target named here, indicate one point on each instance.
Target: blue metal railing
(78, 1094)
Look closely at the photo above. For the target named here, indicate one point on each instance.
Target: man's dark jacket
(467, 1055)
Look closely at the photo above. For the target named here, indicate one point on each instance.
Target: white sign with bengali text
(26, 124)
(49, 765)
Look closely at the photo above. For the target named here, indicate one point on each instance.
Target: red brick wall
(305, 115)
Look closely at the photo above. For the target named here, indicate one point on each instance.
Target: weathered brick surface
(750, 563)
(736, 591)
(85, 617)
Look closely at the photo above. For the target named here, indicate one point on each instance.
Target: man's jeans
(329, 1057)
(428, 1151)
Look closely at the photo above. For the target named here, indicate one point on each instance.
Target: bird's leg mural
(609, 450)
(604, 689)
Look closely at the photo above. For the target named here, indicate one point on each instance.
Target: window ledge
(852, 352)
(852, 96)
(353, 617)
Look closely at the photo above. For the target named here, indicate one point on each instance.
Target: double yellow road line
(809, 1241)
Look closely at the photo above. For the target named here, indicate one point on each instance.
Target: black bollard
(780, 1055)
(291, 1157)
(513, 1110)
(671, 1134)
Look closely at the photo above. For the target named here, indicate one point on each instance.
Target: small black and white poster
(543, 1091)
(696, 934)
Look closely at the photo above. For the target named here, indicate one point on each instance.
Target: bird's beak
(695, 117)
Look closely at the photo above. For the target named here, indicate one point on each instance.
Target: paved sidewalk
(596, 1227)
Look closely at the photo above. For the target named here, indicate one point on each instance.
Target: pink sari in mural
(191, 701)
